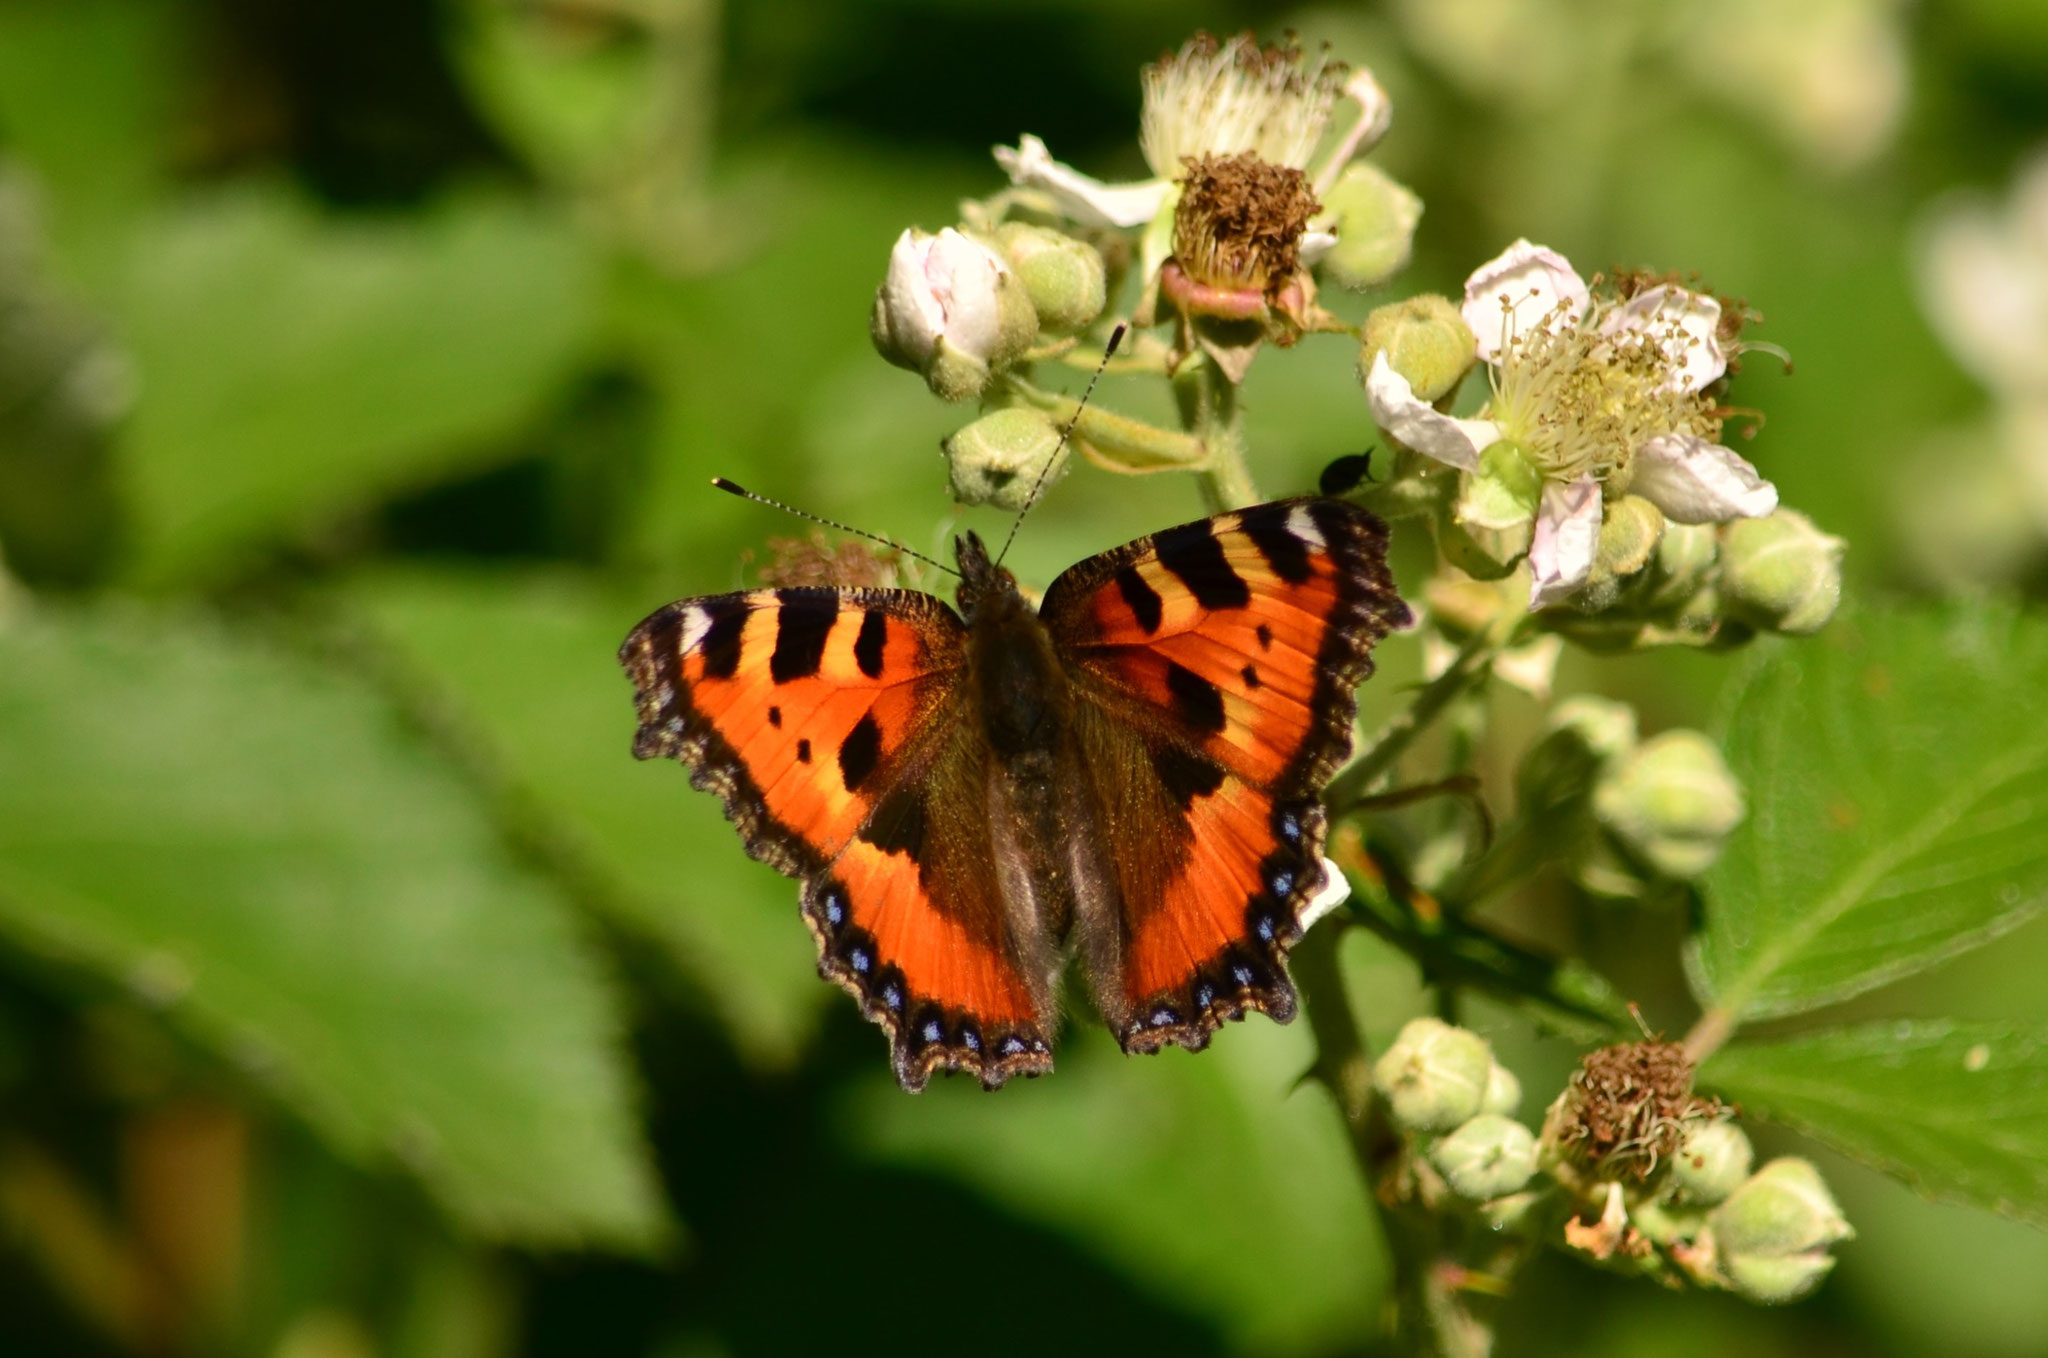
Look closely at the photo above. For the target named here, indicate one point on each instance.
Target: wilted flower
(1218, 100)
(1603, 393)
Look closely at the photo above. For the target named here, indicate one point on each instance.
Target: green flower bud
(1711, 1162)
(1685, 557)
(1773, 1233)
(1425, 340)
(1629, 530)
(1064, 277)
(1493, 517)
(951, 309)
(1586, 734)
(1374, 217)
(997, 459)
(1503, 1091)
(1781, 573)
(1434, 1076)
(1488, 1157)
(1672, 803)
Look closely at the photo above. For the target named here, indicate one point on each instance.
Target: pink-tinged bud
(951, 309)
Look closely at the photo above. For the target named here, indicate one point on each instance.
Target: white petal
(1522, 287)
(1984, 282)
(1375, 116)
(1694, 481)
(1315, 244)
(964, 275)
(914, 314)
(1336, 890)
(1082, 197)
(1685, 325)
(1416, 424)
(1567, 532)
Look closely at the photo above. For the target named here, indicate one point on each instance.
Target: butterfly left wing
(1216, 665)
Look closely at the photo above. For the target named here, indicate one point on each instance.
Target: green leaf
(1215, 1178)
(1958, 1110)
(528, 662)
(293, 365)
(1897, 773)
(254, 843)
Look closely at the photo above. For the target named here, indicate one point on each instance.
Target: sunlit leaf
(1897, 774)
(254, 843)
(1958, 1110)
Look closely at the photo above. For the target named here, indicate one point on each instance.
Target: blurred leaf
(1897, 770)
(529, 662)
(254, 843)
(1208, 1176)
(1958, 1110)
(293, 365)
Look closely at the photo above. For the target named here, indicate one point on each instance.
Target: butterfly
(1133, 768)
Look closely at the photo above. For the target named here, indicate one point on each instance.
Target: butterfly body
(1132, 769)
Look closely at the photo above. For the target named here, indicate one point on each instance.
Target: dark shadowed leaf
(254, 843)
(1958, 1110)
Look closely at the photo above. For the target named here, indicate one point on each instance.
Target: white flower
(1984, 282)
(1218, 99)
(943, 287)
(1597, 391)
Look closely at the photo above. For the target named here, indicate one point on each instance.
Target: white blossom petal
(1316, 244)
(1524, 286)
(1695, 481)
(1336, 890)
(1415, 423)
(1685, 325)
(1567, 533)
(1083, 198)
(1375, 116)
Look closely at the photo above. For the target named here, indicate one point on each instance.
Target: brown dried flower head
(814, 561)
(1239, 224)
(1625, 1110)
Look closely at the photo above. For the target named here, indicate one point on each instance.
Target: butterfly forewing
(830, 724)
(1215, 665)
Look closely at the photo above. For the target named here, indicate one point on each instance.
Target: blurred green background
(362, 363)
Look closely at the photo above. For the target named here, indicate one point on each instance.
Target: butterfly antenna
(1116, 337)
(735, 488)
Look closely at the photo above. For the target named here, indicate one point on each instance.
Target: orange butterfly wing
(828, 721)
(1217, 663)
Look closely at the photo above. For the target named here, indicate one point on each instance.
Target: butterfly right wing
(828, 722)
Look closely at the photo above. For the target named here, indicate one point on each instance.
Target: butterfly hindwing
(829, 723)
(1215, 664)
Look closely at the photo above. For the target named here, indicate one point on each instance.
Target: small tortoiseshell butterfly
(1134, 766)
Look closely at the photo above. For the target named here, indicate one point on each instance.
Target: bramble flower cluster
(1632, 1169)
(1564, 439)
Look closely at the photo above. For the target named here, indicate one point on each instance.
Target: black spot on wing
(898, 824)
(802, 625)
(1283, 549)
(1140, 598)
(1194, 555)
(803, 751)
(1250, 675)
(1265, 635)
(867, 647)
(720, 645)
(1186, 775)
(774, 715)
(860, 752)
(1199, 702)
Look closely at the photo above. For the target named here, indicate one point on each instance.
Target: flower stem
(1217, 420)
(1124, 443)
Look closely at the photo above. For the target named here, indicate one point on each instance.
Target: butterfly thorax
(1022, 689)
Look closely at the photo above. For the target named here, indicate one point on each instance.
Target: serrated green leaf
(1958, 1110)
(292, 364)
(255, 843)
(1897, 774)
(1214, 1178)
(529, 660)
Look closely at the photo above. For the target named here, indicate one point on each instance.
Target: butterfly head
(982, 581)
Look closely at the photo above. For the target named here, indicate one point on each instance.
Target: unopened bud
(1781, 573)
(1064, 277)
(998, 459)
(1773, 1233)
(1434, 1076)
(1672, 803)
(1629, 529)
(951, 309)
(1493, 518)
(1685, 555)
(1374, 217)
(1488, 1157)
(1503, 1091)
(1586, 734)
(1425, 340)
(1711, 1162)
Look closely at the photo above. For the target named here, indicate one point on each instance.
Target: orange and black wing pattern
(828, 722)
(1216, 665)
